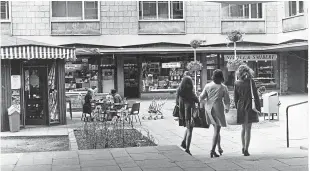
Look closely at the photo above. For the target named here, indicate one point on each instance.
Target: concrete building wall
(30, 18)
(202, 17)
(119, 17)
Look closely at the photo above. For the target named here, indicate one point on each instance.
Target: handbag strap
(251, 89)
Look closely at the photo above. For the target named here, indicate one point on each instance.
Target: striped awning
(37, 52)
(17, 48)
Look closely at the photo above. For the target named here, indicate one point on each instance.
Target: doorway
(131, 78)
(35, 95)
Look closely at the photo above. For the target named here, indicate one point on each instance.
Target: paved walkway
(268, 147)
(161, 158)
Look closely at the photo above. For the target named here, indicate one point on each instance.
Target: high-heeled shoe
(183, 144)
(242, 150)
(213, 154)
(220, 151)
(188, 152)
(246, 153)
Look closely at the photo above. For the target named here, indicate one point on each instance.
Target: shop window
(5, 12)
(81, 74)
(247, 11)
(264, 73)
(294, 8)
(164, 74)
(160, 10)
(108, 74)
(212, 64)
(75, 10)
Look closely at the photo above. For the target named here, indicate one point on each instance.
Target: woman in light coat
(214, 93)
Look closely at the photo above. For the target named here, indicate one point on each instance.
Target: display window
(81, 74)
(264, 73)
(159, 74)
(213, 63)
(108, 75)
(263, 65)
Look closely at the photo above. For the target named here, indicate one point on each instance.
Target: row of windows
(154, 10)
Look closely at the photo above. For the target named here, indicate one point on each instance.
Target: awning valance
(17, 48)
(37, 52)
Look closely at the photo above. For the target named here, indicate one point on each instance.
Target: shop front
(265, 66)
(160, 75)
(95, 72)
(33, 81)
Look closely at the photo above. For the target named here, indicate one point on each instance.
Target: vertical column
(204, 70)
(283, 73)
(99, 75)
(61, 90)
(120, 75)
(6, 94)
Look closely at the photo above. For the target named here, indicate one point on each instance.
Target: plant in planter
(234, 36)
(195, 65)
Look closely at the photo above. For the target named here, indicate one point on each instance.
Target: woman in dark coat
(186, 100)
(87, 102)
(243, 101)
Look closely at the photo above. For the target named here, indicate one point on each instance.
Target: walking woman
(243, 101)
(186, 100)
(215, 93)
(87, 103)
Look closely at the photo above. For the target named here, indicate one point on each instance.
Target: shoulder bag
(253, 99)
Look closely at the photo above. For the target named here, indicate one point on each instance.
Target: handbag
(199, 118)
(253, 99)
(176, 111)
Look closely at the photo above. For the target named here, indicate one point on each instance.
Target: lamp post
(195, 44)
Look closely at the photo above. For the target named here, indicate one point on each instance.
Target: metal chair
(135, 110)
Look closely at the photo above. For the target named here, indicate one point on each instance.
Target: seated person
(116, 97)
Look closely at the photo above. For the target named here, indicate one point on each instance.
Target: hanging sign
(171, 65)
(15, 82)
(252, 57)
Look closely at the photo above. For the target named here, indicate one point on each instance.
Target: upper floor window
(246, 11)
(294, 8)
(5, 14)
(160, 10)
(75, 10)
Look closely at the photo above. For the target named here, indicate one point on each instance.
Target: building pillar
(61, 90)
(204, 78)
(6, 93)
(120, 75)
(283, 73)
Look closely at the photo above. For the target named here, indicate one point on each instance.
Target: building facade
(141, 48)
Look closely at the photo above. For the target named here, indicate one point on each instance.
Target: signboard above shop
(252, 57)
(171, 65)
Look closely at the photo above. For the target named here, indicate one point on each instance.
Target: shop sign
(15, 82)
(171, 65)
(211, 61)
(73, 66)
(252, 57)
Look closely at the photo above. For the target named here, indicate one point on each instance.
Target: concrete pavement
(268, 147)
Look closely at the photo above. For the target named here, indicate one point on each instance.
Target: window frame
(9, 13)
(159, 20)
(243, 19)
(287, 11)
(83, 14)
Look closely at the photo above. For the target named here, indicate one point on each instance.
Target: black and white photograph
(131, 85)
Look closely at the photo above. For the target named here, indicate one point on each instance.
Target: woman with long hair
(243, 101)
(215, 93)
(186, 100)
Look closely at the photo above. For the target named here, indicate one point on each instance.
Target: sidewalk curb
(72, 140)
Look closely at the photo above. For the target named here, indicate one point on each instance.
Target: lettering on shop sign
(171, 65)
(210, 61)
(252, 57)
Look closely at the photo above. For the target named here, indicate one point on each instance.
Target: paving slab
(7, 167)
(66, 168)
(34, 168)
(295, 161)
